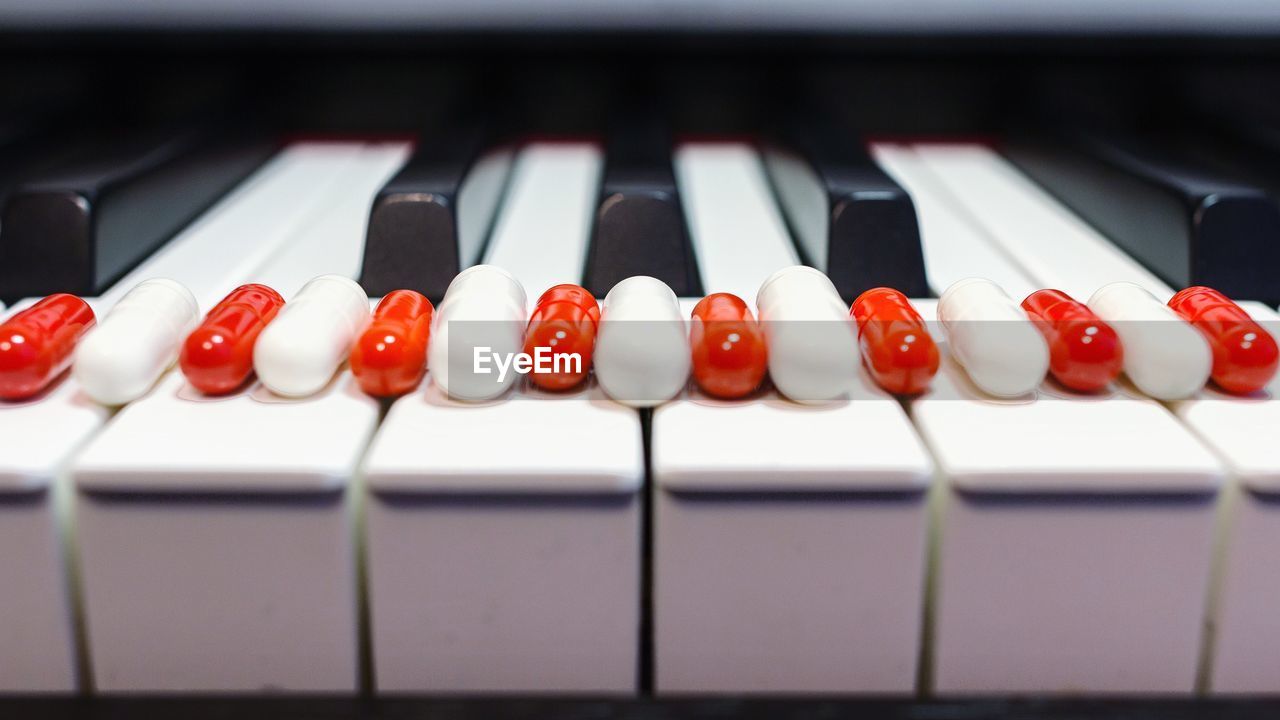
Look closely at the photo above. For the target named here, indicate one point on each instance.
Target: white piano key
(235, 504)
(209, 257)
(735, 225)
(515, 566)
(1083, 525)
(237, 235)
(789, 545)
(1052, 244)
(954, 247)
(735, 609)
(1065, 253)
(544, 225)
(323, 244)
(1244, 653)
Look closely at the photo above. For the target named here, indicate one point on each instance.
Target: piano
(537, 552)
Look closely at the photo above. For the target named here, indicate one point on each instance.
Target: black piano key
(867, 235)
(82, 224)
(418, 238)
(639, 227)
(1185, 223)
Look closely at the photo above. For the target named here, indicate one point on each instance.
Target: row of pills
(639, 346)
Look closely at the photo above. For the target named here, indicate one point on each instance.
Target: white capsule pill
(298, 353)
(642, 355)
(1164, 356)
(813, 346)
(477, 334)
(137, 340)
(487, 281)
(992, 338)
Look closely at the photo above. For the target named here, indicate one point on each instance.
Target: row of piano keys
(950, 543)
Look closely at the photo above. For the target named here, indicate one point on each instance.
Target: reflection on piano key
(954, 247)
(1186, 224)
(544, 225)
(850, 219)
(80, 226)
(640, 225)
(431, 220)
(1049, 241)
(738, 235)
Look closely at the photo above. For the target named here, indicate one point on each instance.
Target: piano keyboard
(949, 542)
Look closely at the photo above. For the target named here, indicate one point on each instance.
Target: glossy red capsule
(564, 321)
(36, 344)
(390, 357)
(217, 356)
(1245, 356)
(729, 352)
(1085, 352)
(897, 348)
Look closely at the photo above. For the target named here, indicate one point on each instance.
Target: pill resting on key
(1164, 356)
(729, 352)
(811, 341)
(896, 346)
(136, 341)
(390, 357)
(991, 337)
(1085, 353)
(299, 352)
(1245, 355)
(562, 330)
(36, 344)
(477, 334)
(218, 356)
(642, 352)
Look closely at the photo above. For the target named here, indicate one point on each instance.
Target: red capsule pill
(729, 352)
(217, 356)
(36, 344)
(1245, 355)
(564, 323)
(896, 346)
(390, 357)
(1085, 353)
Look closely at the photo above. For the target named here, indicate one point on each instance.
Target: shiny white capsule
(642, 355)
(478, 331)
(813, 345)
(992, 338)
(298, 353)
(137, 340)
(1164, 356)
